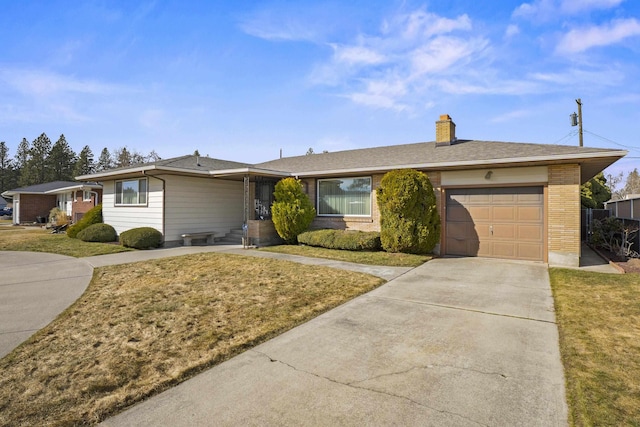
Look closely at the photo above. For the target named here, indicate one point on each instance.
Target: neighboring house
(628, 208)
(33, 203)
(496, 199)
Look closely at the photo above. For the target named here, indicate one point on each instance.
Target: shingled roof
(51, 187)
(426, 155)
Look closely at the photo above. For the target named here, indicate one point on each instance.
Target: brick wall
(564, 215)
(34, 205)
(80, 206)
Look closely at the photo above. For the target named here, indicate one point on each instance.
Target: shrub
(58, 217)
(409, 219)
(98, 233)
(349, 240)
(93, 216)
(292, 211)
(141, 238)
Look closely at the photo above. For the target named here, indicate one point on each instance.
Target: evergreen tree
(61, 161)
(85, 164)
(104, 161)
(292, 211)
(409, 219)
(35, 170)
(21, 158)
(595, 192)
(7, 172)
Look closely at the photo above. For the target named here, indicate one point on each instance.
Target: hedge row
(342, 239)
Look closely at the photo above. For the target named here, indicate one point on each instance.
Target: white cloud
(581, 39)
(41, 83)
(394, 68)
(577, 6)
(547, 10)
(443, 52)
(512, 30)
(356, 55)
(384, 93)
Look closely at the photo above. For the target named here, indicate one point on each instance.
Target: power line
(613, 142)
(567, 136)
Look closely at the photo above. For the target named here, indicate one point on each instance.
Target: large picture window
(344, 196)
(131, 192)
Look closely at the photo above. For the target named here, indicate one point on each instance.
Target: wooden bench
(209, 235)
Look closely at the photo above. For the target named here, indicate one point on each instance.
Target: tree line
(41, 161)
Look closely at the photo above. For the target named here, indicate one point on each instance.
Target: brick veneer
(80, 206)
(563, 209)
(34, 205)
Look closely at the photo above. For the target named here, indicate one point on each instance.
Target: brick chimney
(445, 131)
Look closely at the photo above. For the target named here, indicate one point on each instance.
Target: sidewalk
(386, 273)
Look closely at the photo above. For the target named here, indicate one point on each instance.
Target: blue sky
(242, 80)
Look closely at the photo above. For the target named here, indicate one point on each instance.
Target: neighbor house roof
(52, 188)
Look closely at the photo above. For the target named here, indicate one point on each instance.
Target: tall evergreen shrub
(292, 212)
(409, 219)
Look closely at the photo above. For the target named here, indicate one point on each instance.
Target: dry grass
(35, 239)
(141, 328)
(359, 257)
(598, 318)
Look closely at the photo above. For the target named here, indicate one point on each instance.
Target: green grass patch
(359, 257)
(141, 328)
(598, 318)
(39, 240)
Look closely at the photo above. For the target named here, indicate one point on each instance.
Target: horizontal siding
(124, 218)
(202, 204)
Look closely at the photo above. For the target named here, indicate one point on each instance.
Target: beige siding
(202, 204)
(124, 218)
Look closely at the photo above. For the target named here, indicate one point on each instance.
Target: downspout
(164, 204)
(97, 198)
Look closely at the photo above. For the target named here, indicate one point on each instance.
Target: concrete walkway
(34, 289)
(455, 342)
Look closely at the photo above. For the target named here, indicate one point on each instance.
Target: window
(344, 196)
(131, 192)
(86, 196)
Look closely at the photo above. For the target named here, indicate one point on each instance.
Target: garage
(504, 222)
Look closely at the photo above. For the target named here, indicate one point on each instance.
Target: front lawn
(141, 328)
(35, 239)
(359, 257)
(598, 318)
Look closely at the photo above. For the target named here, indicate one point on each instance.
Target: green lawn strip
(359, 257)
(39, 240)
(143, 327)
(598, 318)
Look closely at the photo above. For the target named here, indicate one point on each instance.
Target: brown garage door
(495, 222)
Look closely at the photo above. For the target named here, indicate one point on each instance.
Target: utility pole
(576, 119)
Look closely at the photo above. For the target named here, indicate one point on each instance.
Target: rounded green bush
(93, 216)
(409, 219)
(103, 233)
(349, 240)
(292, 212)
(141, 238)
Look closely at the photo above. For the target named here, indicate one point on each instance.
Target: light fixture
(488, 175)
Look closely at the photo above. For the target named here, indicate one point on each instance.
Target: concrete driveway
(455, 342)
(34, 289)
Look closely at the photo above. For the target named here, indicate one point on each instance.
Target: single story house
(628, 208)
(496, 199)
(32, 203)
